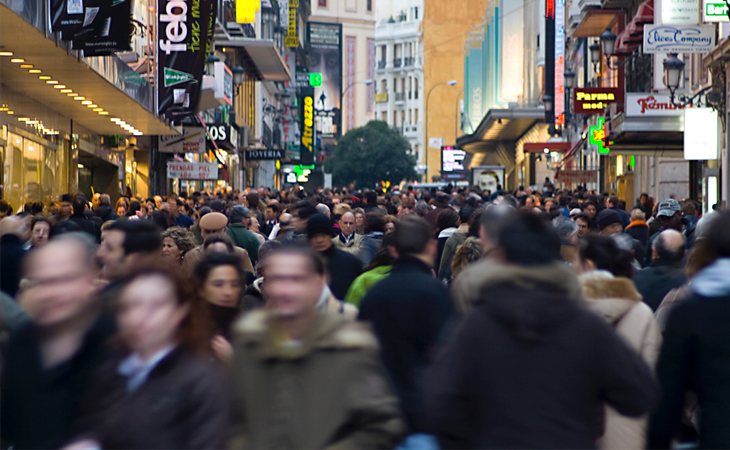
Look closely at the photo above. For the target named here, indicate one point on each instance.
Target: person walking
(342, 267)
(239, 219)
(318, 372)
(694, 354)
(665, 271)
(409, 311)
(347, 239)
(558, 364)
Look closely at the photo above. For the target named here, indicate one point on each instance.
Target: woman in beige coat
(609, 292)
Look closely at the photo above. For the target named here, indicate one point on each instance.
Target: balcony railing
(638, 72)
(397, 62)
(409, 61)
(400, 96)
(381, 64)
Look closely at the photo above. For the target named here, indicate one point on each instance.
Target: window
(415, 12)
(415, 88)
(322, 3)
(370, 5)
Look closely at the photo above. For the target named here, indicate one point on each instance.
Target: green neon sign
(597, 135)
(315, 79)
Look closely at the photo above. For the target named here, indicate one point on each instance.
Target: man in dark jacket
(104, 210)
(409, 311)
(84, 223)
(665, 272)
(529, 368)
(50, 361)
(694, 353)
(342, 267)
(11, 253)
(238, 219)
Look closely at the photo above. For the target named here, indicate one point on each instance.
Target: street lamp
(210, 63)
(595, 50)
(673, 70)
(569, 79)
(428, 97)
(608, 42)
(238, 73)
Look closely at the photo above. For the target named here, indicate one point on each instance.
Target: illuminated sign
(452, 164)
(714, 11)
(307, 126)
(595, 100)
(597, 136)
(315, 79)
(291, 40)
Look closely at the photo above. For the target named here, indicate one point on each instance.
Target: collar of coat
(611, 297)
(329, 331)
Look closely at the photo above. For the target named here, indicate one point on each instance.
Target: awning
(41, 54)
(595, 21)
(261, 57)
(719, 55)
(546, 147)
(501, 125)
(633, 35)
(652, 136)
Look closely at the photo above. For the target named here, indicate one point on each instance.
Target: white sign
(488, 177)
(651, 105)
(680, 12)
(714, 11)
(192, 170)
(701, 134)
(679, 39)
(192, 141)
(436, 142)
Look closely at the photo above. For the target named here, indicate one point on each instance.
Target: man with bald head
(347, 240)
(665, 271)
(50, 360)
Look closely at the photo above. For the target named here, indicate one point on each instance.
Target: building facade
(399, 74)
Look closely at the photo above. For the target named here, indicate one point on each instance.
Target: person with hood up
(610, 293)
(694, 354)
(529, 367)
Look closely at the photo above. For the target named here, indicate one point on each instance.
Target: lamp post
(569, 77)
(673, 70)
(367, 82)
(428, 97)
(595, 51)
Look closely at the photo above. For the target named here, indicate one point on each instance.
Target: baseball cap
(668, 208)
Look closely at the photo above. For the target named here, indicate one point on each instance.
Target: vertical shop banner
(107, 27)
(550, 57)
(185, 31)
(559, 62)
(306, 117)
(325, 51)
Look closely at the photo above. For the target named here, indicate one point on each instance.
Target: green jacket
(246, 240)
(364, 283)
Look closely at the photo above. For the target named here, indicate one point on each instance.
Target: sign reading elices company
(679, 38)
(595, 100)
(651, 105)
(266, 154)
(185, 30)
(701, 134)
(679, 12)
(192, 170)
(714, 11)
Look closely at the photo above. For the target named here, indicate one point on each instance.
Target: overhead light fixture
(26, 66)
(59, 86)
(11, 112)
(66, 91)
(35, 71)
(103, 113)
(44, 77)
(86, 102)
(72, 94)
(98, 109)
(17, 60)
(4, 53)
(23, 119)
(115, 119)
(79, 98)
(91, 106)
(51, 82)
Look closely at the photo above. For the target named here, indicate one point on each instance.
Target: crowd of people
(344, 318)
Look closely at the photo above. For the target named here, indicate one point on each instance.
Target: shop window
(370, 5)
(322, 3)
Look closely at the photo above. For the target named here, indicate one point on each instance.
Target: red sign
(549, 9)
(540, 147)
(576, 176)
(595, 100)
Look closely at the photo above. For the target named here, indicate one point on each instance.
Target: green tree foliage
(370, 154)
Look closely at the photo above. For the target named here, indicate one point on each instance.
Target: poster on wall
(106, 29)
(325, 52)
(183, 44)
(488, 178)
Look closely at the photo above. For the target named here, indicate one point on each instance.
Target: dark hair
(63, 227)
(465, 213)
(664, 253)
(718, 234)
(253, 200)
(274, 207)
(605, 254)
(527, 240)
(5, 208)
(217, 206)
(492, 219)
(79, 204)
(161, 218)
(447, 218)
(219, 238)
(296, 249)
(140, 236)
(304, 209)
(214, 260)
(383, 256)
(582, 216)
(475, 223)
(375, 221)
(182, 237)
(193, 332)
(412, 235)
(41, 219)
(134, 206)
(371, 197)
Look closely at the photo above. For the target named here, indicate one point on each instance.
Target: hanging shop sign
(192, 141)
(306, 117)
(577, 176)
(192, 170)
(651, 105)
(714, 11)
(595, 100)
(291, 39)
(679, 12)
(452, 164)
(67, 17)
(325, 51)
(223, 89)
(597, 136)
(267, 154)
(701, 134)
(184, 38)
(679, 38)
(224, 135)
(97, 27)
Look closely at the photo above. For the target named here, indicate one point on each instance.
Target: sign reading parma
(679, 38)
(183, 44)
(595, 100)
